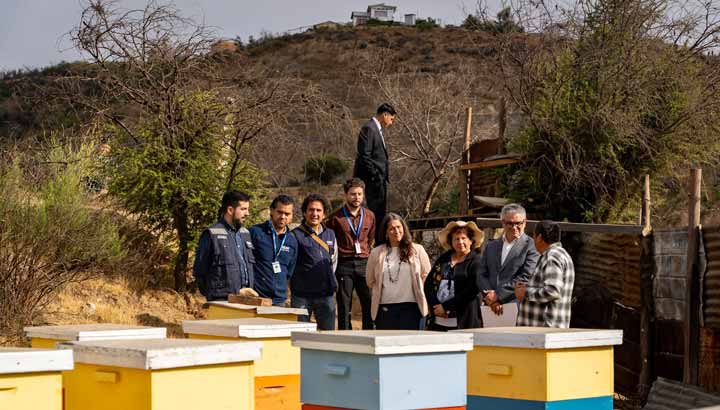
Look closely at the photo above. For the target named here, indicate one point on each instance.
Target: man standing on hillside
(354, 228)
(275, 251)
(224, 260)
(313, 283)
(371, 163)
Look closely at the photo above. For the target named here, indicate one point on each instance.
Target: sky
(33, 32)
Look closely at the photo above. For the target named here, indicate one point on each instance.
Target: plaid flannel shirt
(549, 292)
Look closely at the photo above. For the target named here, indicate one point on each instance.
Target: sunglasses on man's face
(512, 224)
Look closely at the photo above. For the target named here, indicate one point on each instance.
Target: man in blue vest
(275, 251)
(313, 283)
(224, 259)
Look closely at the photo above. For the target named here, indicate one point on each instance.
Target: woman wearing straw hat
(450, 288)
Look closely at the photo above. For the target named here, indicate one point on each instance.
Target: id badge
(358, 250)
(276, 267)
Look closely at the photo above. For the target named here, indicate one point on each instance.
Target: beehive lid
(253, 328)
(383, 342)
(96, 331)
(542, 337)
(261, 310)
(20, 360)
(152, 354)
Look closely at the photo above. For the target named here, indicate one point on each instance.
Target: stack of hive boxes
(277, 372)
(32, 379)
(153, 374)
(376, 370)
(521, 368)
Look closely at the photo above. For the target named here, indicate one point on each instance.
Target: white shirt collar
(378, 124)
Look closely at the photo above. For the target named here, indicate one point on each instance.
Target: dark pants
(323, 307)
(376, 198)
(400, 316)
(351, 275)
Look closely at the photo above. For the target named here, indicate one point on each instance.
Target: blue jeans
(323, 307)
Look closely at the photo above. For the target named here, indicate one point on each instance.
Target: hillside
(336, 62)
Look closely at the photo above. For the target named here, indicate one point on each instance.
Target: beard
(237, 223)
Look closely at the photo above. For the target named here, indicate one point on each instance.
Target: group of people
(332, 254)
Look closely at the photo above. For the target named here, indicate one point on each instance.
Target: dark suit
(519, 266)
(371, 165)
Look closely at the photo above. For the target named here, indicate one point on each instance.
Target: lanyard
(276, 250)
(355, 232)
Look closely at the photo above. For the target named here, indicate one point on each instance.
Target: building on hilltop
(410, 19)
(381, 11)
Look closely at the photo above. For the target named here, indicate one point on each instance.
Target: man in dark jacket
(313, 283)
(224, 259)
(275, 251)
(507, 260)
(371, 163)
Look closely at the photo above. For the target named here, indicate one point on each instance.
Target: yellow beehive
(227, 310)
(31, 378)
(541, 365)
(159, 374)
(277, 372)
(48, 336)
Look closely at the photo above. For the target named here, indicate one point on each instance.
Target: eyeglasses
(512, 224)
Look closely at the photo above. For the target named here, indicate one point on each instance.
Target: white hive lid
(543, 338)
(20, 360)
(261, 310)
(383, 342)
(151, 354)
(252, 328)
(95, 331)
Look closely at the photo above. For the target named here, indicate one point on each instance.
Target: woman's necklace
(387, 267)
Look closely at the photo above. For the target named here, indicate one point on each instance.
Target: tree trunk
(180, 220)
(429, 194)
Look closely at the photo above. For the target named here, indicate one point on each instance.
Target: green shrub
(50, 234)
(324, 169)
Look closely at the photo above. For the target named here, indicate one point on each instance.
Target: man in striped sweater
(547, 297)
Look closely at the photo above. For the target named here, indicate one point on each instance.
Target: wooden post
(692, 302)
(645, 214)
(464, 180)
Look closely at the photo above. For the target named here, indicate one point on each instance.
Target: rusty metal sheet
(709, 372)
(671, 395)
(711, 280)
(611, 260)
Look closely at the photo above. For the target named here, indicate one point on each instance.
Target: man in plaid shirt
(547, 297)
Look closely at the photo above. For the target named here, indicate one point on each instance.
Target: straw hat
(478, 235)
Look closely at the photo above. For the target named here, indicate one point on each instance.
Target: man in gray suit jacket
(372, 165)
(507, 260)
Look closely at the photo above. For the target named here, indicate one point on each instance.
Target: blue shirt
(268, 283)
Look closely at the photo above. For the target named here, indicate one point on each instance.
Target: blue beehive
(383, 369)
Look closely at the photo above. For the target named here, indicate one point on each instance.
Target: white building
(381, 11)
(410, 19)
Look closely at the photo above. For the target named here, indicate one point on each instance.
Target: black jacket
(465, 304)
(371, 163)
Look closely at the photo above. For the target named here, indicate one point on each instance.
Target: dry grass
(115, 300)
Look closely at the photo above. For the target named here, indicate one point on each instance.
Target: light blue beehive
(383, 369)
